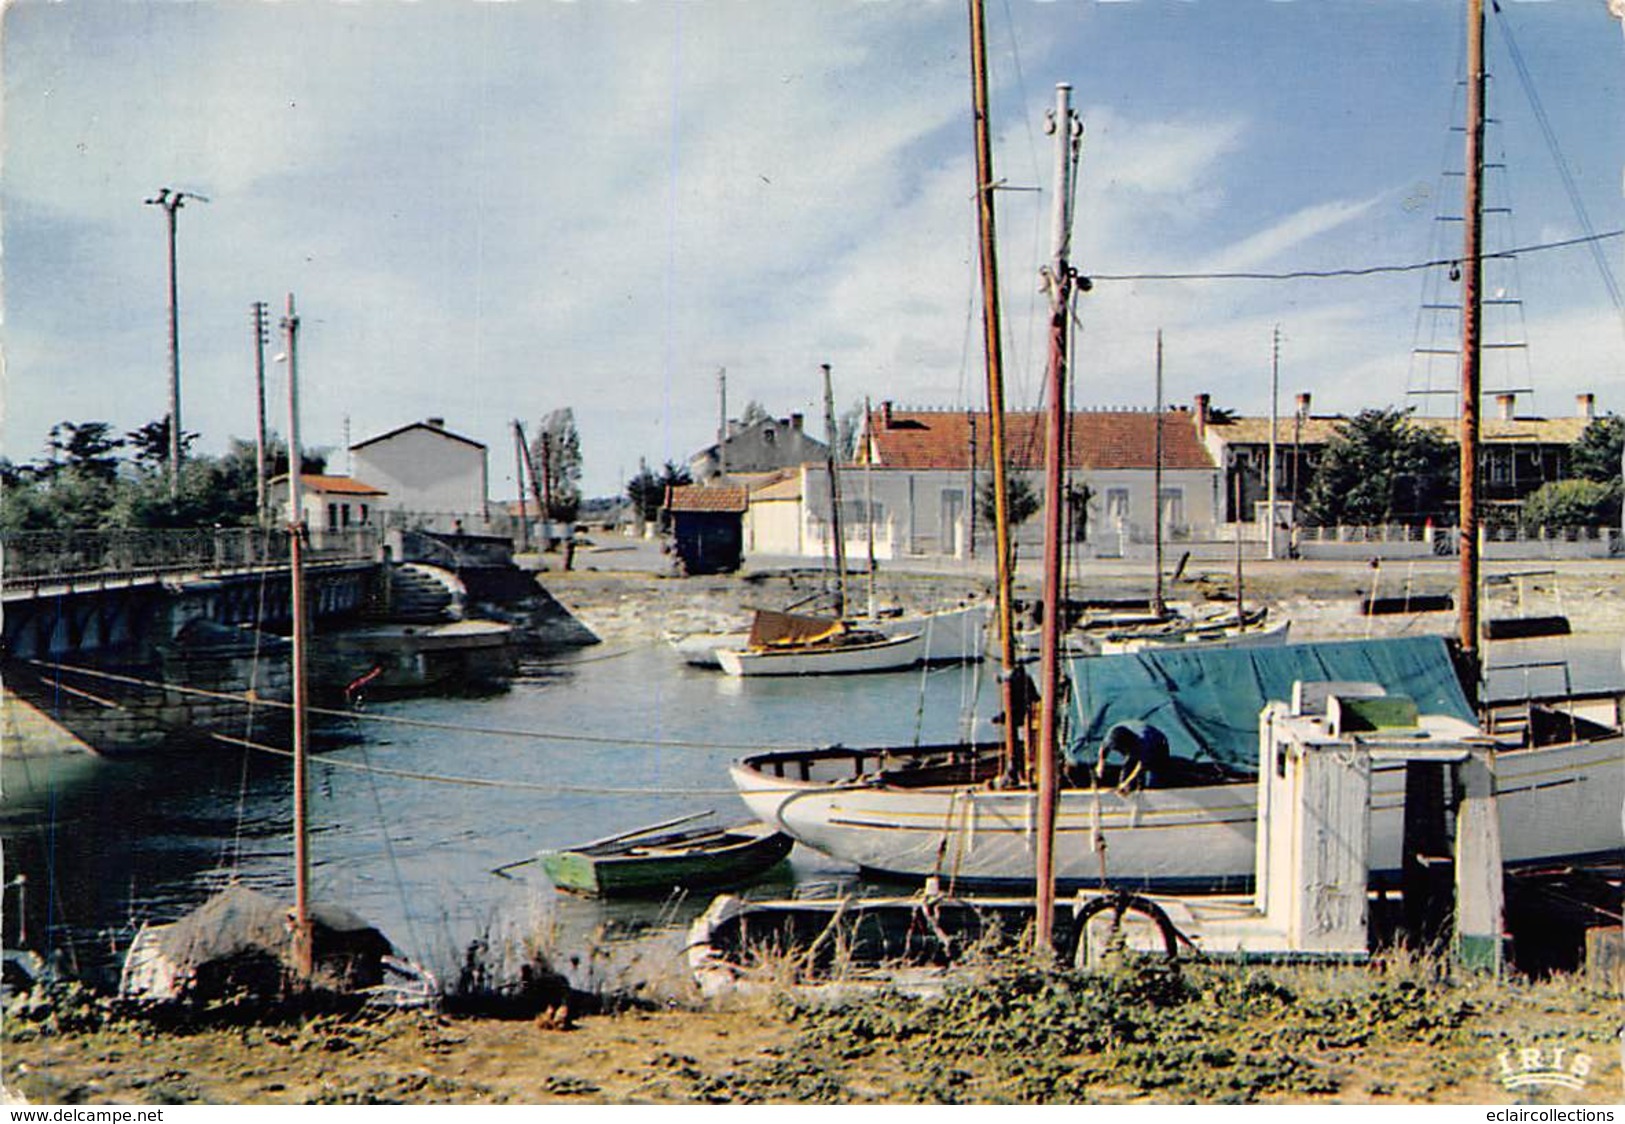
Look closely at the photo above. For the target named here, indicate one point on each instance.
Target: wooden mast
(833, 434)
(1472, 267)
(304, 952)
(1004, 560)
(1157, 605)
(1060, 282)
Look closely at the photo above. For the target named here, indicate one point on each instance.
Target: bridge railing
(35, 556)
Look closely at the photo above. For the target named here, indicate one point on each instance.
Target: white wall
(428, 473)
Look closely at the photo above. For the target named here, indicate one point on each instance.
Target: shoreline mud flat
(1321, 599)
(1391, 1033)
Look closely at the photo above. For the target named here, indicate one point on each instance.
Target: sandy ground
(1371, 1035)
(623, 592)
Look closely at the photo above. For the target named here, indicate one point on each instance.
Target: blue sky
(489, 211)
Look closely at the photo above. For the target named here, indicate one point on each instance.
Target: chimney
(1202, 401)
(1304, 399)
(435, 423)
(1585, 405)
(885, 414)
(795, 422)
(1504, 404)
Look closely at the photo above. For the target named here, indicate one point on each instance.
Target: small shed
(708, 527)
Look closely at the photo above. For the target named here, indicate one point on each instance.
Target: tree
(151, 443)
(647, 491)
(556, 453)
(1381, 467)
(1021, 501)
(754, 412)
(87, 449)
(1596, 455)
(1571, 503)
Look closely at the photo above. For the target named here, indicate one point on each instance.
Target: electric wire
(418, 723)
(1353, 271)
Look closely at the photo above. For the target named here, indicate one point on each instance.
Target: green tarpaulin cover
(1207, 702)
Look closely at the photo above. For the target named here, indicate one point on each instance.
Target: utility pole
(519, 479)
(722, 421)
(262, 336)
(303, 936)
(172, 201)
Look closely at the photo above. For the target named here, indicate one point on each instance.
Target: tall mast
(1004, 562)
(303, 941)
(1157, 605)
(869, 495)
(1066, 131)
(1471, 319)
(1275, 395)
(835, 495)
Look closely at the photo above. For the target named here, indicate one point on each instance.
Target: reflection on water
(587, 747)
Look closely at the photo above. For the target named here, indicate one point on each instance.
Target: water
(593, 745)
(107, 843)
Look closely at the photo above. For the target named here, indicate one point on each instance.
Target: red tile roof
(332, 485)
(1098, 439)
(696, 497)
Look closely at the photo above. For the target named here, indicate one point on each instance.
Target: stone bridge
(72, 594)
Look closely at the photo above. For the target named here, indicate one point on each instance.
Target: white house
(331, 503)
(921, 477)
(435, 479)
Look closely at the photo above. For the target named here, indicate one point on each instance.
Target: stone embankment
(625, 599)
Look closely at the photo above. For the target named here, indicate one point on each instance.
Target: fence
(31, 556)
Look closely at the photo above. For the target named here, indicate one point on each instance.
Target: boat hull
(741, 854)
(1264, 636)
(951, 636)
(1556, 802)
(891, 654)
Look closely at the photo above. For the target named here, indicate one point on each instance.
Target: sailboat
(1180, 809)
(242, 944)
(784, 643)
(1169, 628)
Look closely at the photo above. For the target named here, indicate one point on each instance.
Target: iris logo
(1553, 1067)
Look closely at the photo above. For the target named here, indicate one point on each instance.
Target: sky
(488, 211)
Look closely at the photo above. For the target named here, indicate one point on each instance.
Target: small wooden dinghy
(653, 861)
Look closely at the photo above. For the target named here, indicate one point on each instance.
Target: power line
(396, 720)
(1361, 271)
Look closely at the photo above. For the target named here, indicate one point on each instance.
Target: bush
(1571, 503)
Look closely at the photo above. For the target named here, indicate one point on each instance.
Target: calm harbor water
(589, 746)
(577, 748)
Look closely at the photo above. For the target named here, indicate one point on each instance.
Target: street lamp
(172, 201)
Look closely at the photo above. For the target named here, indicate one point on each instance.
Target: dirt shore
(625, 597)
(1384, 1034)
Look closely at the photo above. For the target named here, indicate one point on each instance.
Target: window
(363, 520)
(1116, 506)
(1173, 507)
(332, 515)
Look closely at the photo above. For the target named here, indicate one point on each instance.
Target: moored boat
(1188, 822)
(854, 653)
(651, 863)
